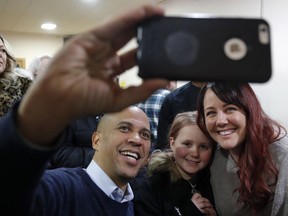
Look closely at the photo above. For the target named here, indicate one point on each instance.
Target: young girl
(178, 182)
(249, 172)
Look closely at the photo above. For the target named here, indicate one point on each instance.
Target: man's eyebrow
(130, 124)
(125, 122)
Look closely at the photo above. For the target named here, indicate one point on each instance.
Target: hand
(203, 204)
(79, 79)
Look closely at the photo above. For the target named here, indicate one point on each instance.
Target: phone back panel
(204, 49)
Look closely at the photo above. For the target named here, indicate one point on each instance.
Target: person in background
(152, 107)
(23, 72)
(249, 172)
(39, 64)
(13, 83)
(78, 82)
(178, 182)
(182, 99)
(77, 149)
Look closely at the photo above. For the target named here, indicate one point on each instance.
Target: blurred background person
(13, 83)
(77, 150)
(182, 99)
(24, 72)
(38, 65)
(152, 108)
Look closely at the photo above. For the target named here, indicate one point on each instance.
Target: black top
(77, 150)
(158, 196)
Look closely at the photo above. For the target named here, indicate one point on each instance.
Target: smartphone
(204, 49)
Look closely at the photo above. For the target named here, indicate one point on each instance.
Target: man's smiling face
(122, 144)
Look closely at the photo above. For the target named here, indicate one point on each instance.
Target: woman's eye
(231, 108)
(209, 113)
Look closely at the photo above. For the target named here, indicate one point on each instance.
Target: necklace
(194, 190)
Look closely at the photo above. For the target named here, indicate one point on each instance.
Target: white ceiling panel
(71, 16)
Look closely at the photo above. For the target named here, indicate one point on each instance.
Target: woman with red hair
(249, 173)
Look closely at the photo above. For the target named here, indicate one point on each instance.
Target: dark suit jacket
(77, 150)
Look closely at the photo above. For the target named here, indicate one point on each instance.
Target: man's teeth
(130, 154)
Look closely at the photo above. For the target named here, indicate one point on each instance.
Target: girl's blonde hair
(162, 161)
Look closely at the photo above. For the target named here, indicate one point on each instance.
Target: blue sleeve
(21, 167)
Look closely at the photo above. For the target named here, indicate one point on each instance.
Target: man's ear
(95, 140)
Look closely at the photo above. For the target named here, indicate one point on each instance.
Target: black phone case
(204, 49)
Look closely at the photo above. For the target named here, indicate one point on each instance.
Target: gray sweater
(224, 180)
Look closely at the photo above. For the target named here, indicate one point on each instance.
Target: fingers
(127, 20)
(123, 26)
(209, 211)
(102, 43)
(133, 94)
(196, 196)
(202, 203)
(120, 63)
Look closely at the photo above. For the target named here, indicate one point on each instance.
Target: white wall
(273, 94)
(29, 46)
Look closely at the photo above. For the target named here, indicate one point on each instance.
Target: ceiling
(71, 16)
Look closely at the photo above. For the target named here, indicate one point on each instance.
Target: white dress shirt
(103, 181)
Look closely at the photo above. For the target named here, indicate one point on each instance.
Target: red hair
(257, 171)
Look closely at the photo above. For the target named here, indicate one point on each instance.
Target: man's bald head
(108, 117)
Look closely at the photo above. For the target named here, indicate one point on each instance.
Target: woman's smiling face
(226, 123)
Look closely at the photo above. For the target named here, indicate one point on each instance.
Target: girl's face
(226, 123)
(3, 57)
(192, 150)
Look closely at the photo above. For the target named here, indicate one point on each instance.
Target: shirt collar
(103, 181)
